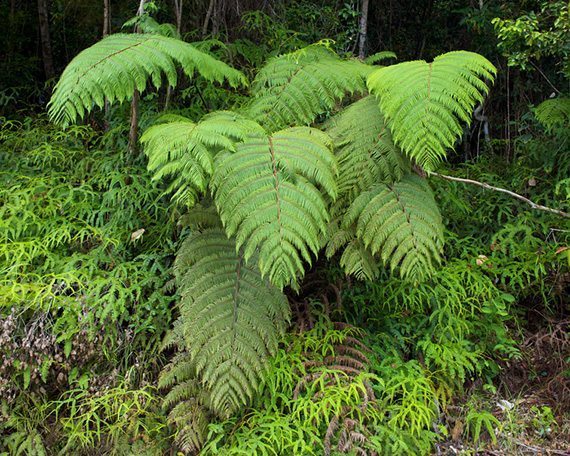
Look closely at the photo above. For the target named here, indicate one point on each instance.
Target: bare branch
(532, 204)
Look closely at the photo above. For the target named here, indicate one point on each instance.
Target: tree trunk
(47, 55)
(208, 16)
(134, 131)
(362, 30)
(106, 18)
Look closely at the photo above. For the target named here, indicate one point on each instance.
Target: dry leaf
(137, 234)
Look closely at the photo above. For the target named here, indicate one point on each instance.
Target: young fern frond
(184, 150)
(402, 223)
(365, 151)
(295, 88)
(425, 103)
(553, 112)
(268, 194)
(230, 318)
(118, 65)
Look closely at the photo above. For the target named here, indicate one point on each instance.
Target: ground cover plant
(216, 247)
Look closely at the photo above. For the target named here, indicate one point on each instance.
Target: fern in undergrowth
(554, 112)
(425, 103)
(402, 223)
(230, 318)
(118, 65)
(365, 151)
(183, 151)
(268, 194)
(295, 88)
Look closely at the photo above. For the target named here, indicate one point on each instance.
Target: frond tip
(184, 151)
(230, 318)
(425, 103)
(118, 65)
(402, 223)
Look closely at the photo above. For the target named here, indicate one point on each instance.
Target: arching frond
(380, 56)
(425, 103)
(268, 196)
(402, 223)
(230, 318)
(293, 89)
(356, 260)
(364, 148)
(184, 150)
(117, 65)
(553, 112)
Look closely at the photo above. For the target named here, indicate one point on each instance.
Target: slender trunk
(178, 12)
(47, 55)
(106, 17)
(134, 131)
(106, 31)
(362, 30)
(208, 16)
(178, 4)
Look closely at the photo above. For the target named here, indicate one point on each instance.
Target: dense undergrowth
(87, 246)
(116, 295)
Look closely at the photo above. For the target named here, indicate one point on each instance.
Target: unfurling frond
(184, 151)
(364, 148)
(402, 223)
(230, 318)
(425, 103)
(554, 112)
(293, 89)
(268, 194)
(118, 65)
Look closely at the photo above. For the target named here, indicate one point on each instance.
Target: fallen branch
(532, 204)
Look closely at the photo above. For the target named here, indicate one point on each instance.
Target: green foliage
(296, 88)
(536, 35)
(480, 420)
(118, 65)
(553, 113)
(424, 125)
(268, 196)
(184, 151)
(230, 319)
(402, 223)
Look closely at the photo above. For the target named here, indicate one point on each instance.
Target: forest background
(471, 359)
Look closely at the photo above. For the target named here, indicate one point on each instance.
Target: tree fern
(267, 194)
(118, 65)
(230, 319)
(425, 103)
(365, 151)
(184, 150)
(553, 112)
(293, 89)
(402, 223)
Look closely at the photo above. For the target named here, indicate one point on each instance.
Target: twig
(532, 204)
(541, 450)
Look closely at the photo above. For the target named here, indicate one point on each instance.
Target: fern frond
(356, 260)
(402, 223)
(365, 151)
(295, 88)
(231, 318)
(425, 103)
(553, 112)
(184, 150)
(380, 56)
(268, 196)
(118, 65)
